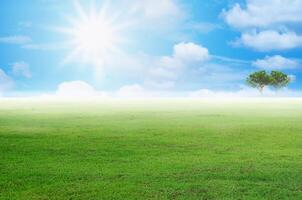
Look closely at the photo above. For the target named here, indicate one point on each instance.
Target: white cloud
(133, 91)
(26, 43)
(270, 40)
(190, 52)
(5, 81)
(18, 39)
(160, 84)
(264, 13)
(163, 73)
(243, 93)
(21, 69)
(82, 90)
(141, 92)
(206, 93)
(267, 25)
(230, 60)
(167, 69)
(159, 16)
(158, 9)
(79, 89)
(275, 62)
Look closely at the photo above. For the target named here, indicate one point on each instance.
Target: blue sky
(133, 46)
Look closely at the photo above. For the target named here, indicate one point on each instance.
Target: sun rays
(94, 35)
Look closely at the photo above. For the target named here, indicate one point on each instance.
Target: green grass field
(159, 149)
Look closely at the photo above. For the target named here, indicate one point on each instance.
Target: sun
(93, 36)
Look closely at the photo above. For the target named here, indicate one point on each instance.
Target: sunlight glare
(94, 36)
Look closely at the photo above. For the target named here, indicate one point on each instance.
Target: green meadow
(151, 149)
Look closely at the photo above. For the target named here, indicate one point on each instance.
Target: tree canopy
(259, 80)
(279, 79)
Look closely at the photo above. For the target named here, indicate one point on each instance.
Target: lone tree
(279, 79)
(262, 79)
(259, 80)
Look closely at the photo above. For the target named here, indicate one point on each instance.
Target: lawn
(152, 149)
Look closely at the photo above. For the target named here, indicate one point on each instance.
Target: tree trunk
(261, 90)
